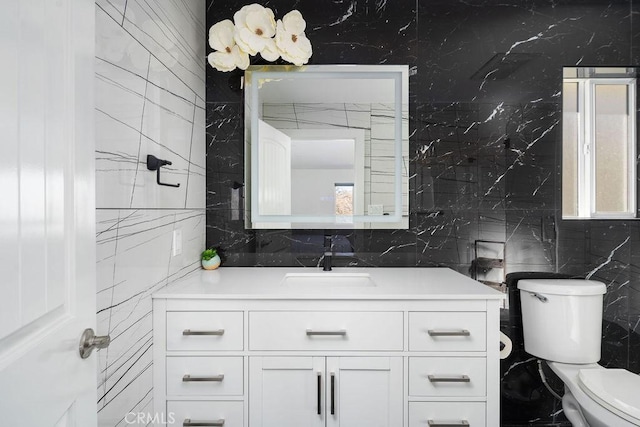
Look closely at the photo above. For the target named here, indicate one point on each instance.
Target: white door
(286, 391)
(274, 174)
(47, 218)
(366, 391)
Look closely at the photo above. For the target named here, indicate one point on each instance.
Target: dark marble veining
(485, 130)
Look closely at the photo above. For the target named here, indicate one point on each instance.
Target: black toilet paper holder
(154, 164)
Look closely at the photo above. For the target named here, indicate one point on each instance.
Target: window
(344, 202)
(599, 144)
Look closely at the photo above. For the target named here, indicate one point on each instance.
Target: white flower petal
(255, 25)
(295, 60)
(248, 41)
(242, 13)
(270, 51)
(294, 23)
(281, 33)
(241, 16)
(240, 57)
(261, 24)
(294, 48)
(302, 46)
(221, 35)
(222, 61)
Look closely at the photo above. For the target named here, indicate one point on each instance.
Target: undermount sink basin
(329, 279)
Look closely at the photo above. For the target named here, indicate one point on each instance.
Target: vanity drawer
(227, 414)
(325, 330)
(447, 414)
(204, 330)
(447, 331)
(447, 376)
(205, 376)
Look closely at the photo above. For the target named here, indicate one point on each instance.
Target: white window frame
(587, 156)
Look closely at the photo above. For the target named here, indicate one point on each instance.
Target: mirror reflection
(326, 147)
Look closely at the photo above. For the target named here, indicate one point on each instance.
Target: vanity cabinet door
(286, 391)
(366, 391)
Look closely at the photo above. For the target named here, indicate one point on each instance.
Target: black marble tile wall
(484, 146)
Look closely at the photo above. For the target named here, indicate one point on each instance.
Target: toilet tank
(562, 319)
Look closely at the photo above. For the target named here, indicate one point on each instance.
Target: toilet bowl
(605, 397)
(562, 324)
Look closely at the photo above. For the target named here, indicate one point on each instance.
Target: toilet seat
(615, 389)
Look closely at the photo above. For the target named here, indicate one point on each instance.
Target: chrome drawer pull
(449, 333)
(447, 423)
(449, 379)
(214, 332)
(215, 378)
(341, 332)
(215, 423)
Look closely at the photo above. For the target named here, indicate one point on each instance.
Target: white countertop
(269, 283)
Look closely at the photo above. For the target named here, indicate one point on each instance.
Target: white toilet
(562, 324)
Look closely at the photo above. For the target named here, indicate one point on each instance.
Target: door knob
(89, 341)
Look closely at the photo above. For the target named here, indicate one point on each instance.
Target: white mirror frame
(254, 74)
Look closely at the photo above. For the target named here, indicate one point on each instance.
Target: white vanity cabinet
(325, 391)
(246, 351)
(287, 391)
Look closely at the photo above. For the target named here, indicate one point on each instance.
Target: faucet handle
(326, 259)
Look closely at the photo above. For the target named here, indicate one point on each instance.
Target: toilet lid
(616, 389)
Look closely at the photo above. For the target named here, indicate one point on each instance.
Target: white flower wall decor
(254, 30)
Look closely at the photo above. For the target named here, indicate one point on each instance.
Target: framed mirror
(599, 143)
(326, 146)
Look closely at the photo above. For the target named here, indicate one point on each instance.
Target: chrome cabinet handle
(89, 341)
(341, 332)
(214, 423)
(449, 379)
(187, 332)
(448, 333)
(214, 378)
(447, 423)
(319, 393)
